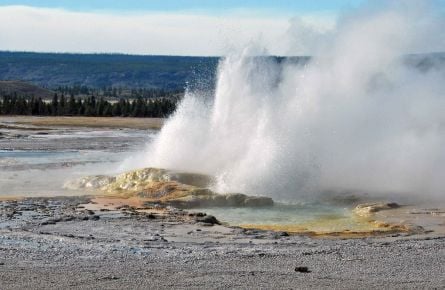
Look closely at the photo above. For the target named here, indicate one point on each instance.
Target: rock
(167, 187)
(68, 218)
(95, 218)
(206, 224)
(368, 209)
(140, 178)
(258, 201)
(235, 199)
(50, 222)
(302, 269)
(109, 278)
(194, 179)
(90, 182)
(208, 219)
(197, 214)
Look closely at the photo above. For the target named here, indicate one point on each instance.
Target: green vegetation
(21, 98)
(90, 106)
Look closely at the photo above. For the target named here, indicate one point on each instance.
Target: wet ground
(37, 160)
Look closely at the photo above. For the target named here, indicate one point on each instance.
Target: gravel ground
(49, 243)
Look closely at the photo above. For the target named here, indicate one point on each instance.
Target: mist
(359, 116)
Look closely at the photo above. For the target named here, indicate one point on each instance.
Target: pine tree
(117, 108)
(62, 106)
(55, 105)
(72, 106)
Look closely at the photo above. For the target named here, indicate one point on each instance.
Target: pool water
(295, 217)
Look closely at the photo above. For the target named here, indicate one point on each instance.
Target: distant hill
(170, 73)
(21, 88)
(52, 70)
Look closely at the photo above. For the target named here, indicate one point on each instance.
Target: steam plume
(362, 114)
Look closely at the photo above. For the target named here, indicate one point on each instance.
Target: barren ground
(92, 122)
(57, 243)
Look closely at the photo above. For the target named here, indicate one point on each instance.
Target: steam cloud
(355, 117)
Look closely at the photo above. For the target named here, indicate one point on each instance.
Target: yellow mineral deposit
(167, 187)
(346, 228)
(149, 186)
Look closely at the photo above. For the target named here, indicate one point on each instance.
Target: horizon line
(172, 55)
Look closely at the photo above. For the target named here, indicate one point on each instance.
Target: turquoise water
(283, 214)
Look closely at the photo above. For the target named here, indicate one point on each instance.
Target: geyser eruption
(362, 114)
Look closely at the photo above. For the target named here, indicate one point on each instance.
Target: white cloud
(55, 30)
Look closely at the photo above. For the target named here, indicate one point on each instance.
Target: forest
(87, 106)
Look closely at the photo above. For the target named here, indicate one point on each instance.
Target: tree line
(88, 106)
(117, 92)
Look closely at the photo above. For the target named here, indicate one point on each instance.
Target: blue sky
(193, 27)
(175, 27)
(180, 5)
